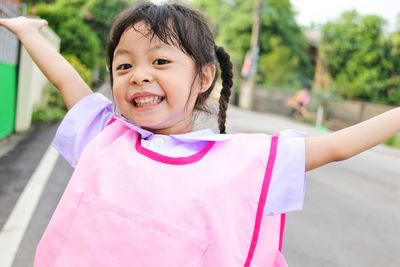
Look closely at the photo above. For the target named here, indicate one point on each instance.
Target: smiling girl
(147, 190)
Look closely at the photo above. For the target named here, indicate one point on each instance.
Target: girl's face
(152, 82)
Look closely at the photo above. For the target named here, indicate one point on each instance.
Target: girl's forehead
(139, 31)
(139, 36)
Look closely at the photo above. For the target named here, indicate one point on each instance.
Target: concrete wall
(346, 111)
(30, 84)
(353, 112)
(271, 101)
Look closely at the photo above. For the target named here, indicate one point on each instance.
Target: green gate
(8, 72)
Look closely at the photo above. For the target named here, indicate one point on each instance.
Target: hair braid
(227, 82)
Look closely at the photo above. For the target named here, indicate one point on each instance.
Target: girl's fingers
(44, 23)
(4, 22)
(21, 23)
(40, 23)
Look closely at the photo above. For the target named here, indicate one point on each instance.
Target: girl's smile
(155, 84)
(146, 100)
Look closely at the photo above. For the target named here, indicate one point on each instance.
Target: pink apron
(128, 206)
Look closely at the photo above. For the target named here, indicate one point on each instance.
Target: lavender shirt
(91, 114)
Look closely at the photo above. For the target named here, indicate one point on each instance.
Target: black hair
(187, 29)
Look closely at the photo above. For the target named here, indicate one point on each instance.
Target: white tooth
(148, 100)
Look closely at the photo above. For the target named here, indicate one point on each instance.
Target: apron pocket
(105, 234)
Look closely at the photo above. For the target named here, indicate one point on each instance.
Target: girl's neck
(173, 130)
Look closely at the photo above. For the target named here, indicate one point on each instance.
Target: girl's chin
(172, 130)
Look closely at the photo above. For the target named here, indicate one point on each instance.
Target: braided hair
(227, 82)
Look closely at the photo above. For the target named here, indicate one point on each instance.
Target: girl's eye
(160, 61)
(124, 66)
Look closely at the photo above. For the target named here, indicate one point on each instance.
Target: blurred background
(345, 53)
(313, 65)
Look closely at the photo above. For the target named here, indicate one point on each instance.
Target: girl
(147, 190)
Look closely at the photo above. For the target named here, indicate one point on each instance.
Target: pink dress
(128, 206)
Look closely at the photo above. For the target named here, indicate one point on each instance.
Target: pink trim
(170, 160)
(111, 120)
(283, 220)
(263, 198)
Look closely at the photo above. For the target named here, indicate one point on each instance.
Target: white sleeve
(81, 124)
(287, 186)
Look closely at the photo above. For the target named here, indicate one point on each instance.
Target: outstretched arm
(351, 141)
(59, 72)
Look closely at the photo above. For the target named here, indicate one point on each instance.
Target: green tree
(34, 2)
(394, 52)
(359, 57)
(217, 12)
(393, 83)
(292, 50)
(99, 15)
(279, 65)
(77, 38)
(71, 4)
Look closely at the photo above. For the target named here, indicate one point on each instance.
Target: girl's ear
(208, 74)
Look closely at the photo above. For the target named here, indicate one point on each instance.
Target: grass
(394, 141)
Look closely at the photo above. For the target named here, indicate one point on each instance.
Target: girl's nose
(141, 76)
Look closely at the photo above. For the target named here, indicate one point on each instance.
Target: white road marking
(14, 229)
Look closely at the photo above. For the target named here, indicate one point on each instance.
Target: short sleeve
(287, 186)
(81, 124)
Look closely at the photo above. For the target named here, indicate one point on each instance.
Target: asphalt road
(351, 215)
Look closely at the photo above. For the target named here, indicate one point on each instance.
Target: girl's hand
(57, 70)
(21, 25)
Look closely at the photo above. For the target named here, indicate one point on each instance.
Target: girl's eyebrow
(121, 51)
(158, 47)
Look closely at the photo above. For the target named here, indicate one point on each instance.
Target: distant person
(299, 102)
(147, 190)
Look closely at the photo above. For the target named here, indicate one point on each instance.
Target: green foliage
(71, 4)
(53, 14)
(291, 52)
(284, 56)
(34, 2)
(394, 141)
(83, 26)
(76, 37)
(361, 60)
(393, 47)
(99, 15)
(52, 107)
(217, 12)
(280, 65)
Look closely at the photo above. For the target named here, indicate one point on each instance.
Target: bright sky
(320, 11)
